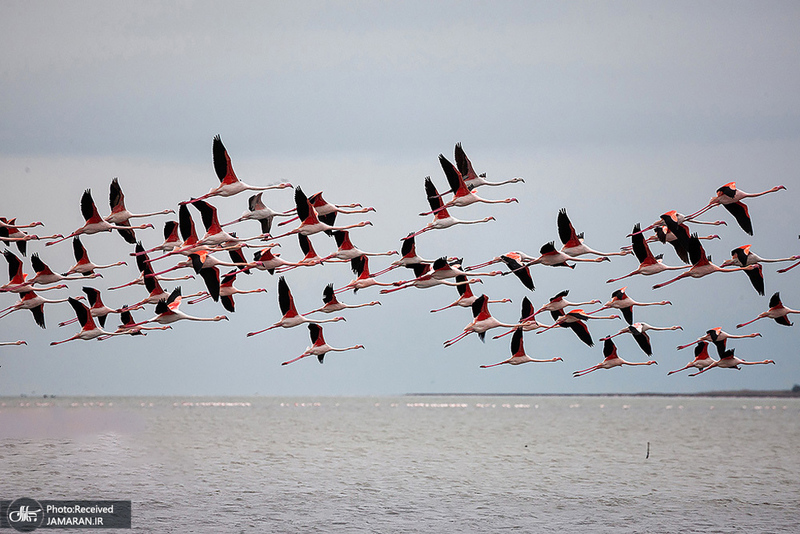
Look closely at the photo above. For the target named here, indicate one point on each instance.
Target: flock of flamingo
(200, 254)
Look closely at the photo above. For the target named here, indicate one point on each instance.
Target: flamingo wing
(222, 162)
(742, 215)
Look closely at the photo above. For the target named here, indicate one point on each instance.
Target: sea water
(414, 464)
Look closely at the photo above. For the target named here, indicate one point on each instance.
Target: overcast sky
(616, 111)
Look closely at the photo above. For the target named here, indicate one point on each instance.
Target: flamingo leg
(298, 358)
(458, 338)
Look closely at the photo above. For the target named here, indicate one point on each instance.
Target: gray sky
(616, 111)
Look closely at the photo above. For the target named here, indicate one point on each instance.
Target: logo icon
(25, 515)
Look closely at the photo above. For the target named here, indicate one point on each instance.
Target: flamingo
(290, 316)
(718, 337)
(621, 301)
(702, 266)
(347, 251)
(554, 258)
(482, 322)
(327, 212)
(573, 241)
(10, 232)
(265, 260)
(309, 221)
(680, 219)
(209, 274)
(742, 257)
(360, 267)
(518, 355)
(465, 295)
(98, 310)
(229, 184)
(648, 264)
(83, 265)
(45, 275)
(701, 358)
(310, 258)
(462, 195)
(526, 319)
(576, 321)
(95, 223)
(639, 333)
(425, 278)
(33, 302)
(167, 311)
(611, 360)
(171, 238)
(441, 217)
(667, 236)
(319, 347)
(731, 198)
(729, 361)
(559, 302)
(151, 282)
(215, 235)
(119, 213)
(332, 304)
(17, 280)
(776, 311)
(130, 327)
(258, 211)
(88, 330)
(471, 178)
(227, 291)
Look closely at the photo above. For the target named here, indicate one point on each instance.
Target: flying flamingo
(576, 321)
(639, 333)
(45, 275)
(83, 265)
(441, 218)
(167, 311)
(17, 280)
(95, 223)
(559, 302)
(466, 296)
(229, 184)
(360, 267)
(151, 282)
(227, 291)
(265, 260)
(776, 311)
(621, 301)
(171, 238)
(462, 195)
(742, 257)
(679, 218)
(209, 274)
(89, 330)
(473, 179)
(701, 358)
(482, 322)
(718, 337)
(10, 232)
(327, 211)
(130, 327)
(332, 304)
(611, 360)
(515, 261)
(119, 213)
(290, 316)
(729, 361)
(310, 222)
(573, 241)
(424, 279)
(554, 258)
(258, 211)
(648, 264)
(518, 355)
(310, 257)
(408, 255)
(98, 310)
(33, 302)
(526, 319)
(731, 198)
(702, 266)
(319, 347)
(347, 251)
(668, 236)
(215, 235)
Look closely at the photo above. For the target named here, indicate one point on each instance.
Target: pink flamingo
(119, 213)
(290, 316)
(471, 178)
(573, 241)
(731, 199)
(332, 304)
(465, 295)
(639, 333)
(33, 302)
(88, 330)
(518, 355)
(82, 263)
(701, 358)
(310, 222)
(319, 347)
(718, 337)
(576, 321)
(648, 264)
(258, 211)
(621, 301)
(729, 361)
(441, 217)
(611, 360)
(482, 322)
(776, 311)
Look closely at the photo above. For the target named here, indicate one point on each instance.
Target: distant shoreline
(788, 393)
